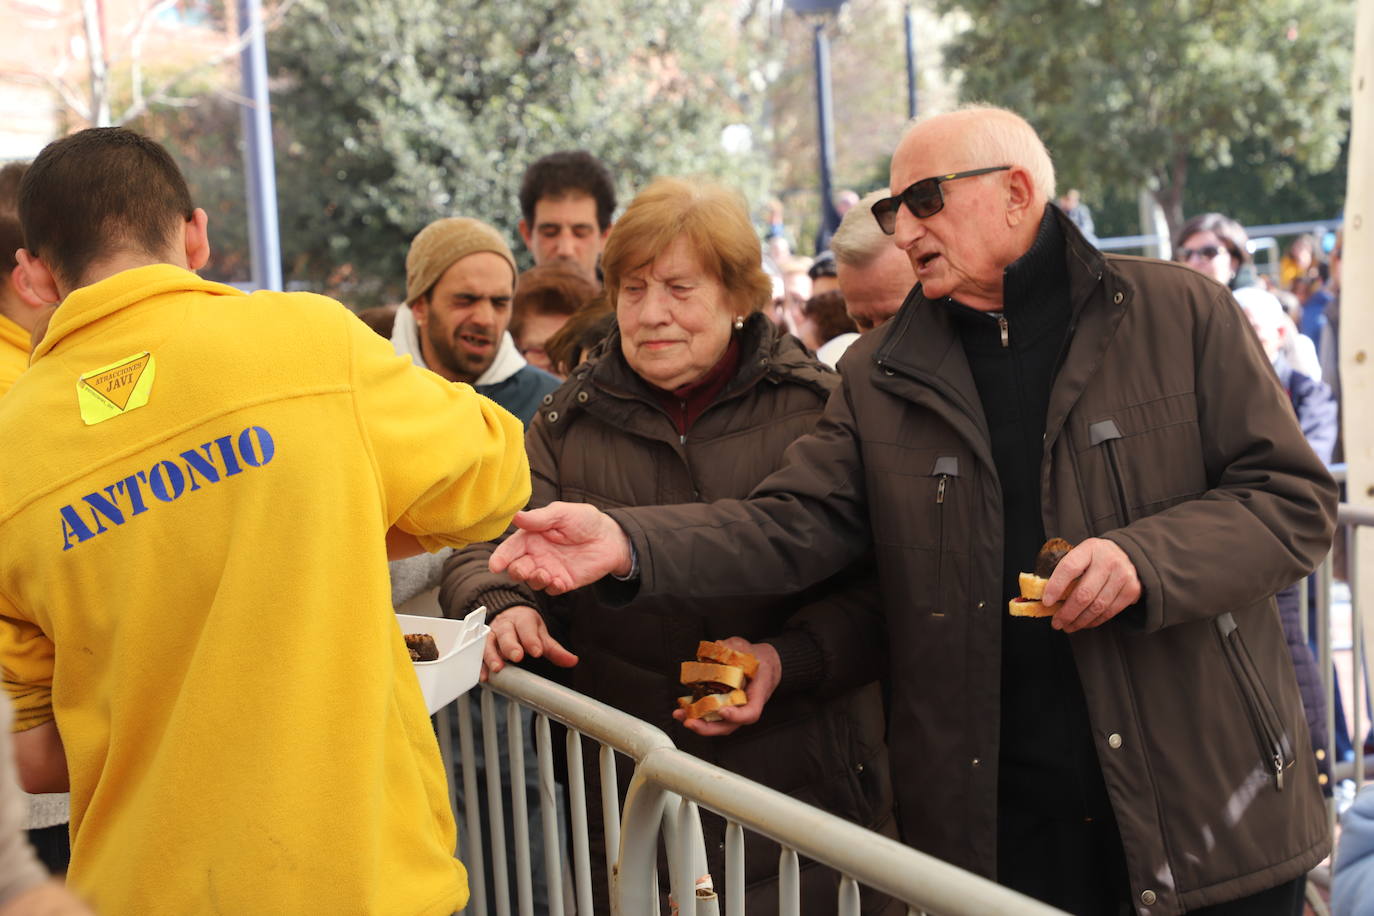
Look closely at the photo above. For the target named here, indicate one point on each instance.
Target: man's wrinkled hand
(563, 546)
(759, 689)
(519, 631)
(1096, 581)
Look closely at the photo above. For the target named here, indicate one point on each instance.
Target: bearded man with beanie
(460, 279)
(460, 283)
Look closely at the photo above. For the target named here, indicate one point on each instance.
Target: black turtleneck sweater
(1048, 765)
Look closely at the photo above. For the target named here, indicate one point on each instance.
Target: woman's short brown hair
(554, 289)
(587, 327)
(827, 310)
(715, 223)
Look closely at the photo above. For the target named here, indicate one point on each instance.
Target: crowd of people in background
(674, 353)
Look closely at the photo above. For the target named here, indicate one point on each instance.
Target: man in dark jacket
(1138, 749)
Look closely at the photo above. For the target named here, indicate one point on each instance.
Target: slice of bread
(1021, 607)
(1032, 586)
(711, 673)
(724, 655)
(707, 707)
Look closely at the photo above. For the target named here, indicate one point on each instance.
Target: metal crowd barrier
(669, 787)
(666, 792)
(1354, 687)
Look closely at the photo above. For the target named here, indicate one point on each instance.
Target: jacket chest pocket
(1138, 460)
(919, 508)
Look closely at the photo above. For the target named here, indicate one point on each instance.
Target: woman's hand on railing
(759, 689)
(519, 631)
(563, 546)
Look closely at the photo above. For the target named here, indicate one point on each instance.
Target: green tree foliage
(1141, 93)
(392, 115)
(204, 138)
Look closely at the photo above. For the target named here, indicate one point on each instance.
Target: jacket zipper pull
(940, 490)
(1002, 326)
(1278, 771)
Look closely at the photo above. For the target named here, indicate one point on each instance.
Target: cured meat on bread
(1033, 584)
(717, 679)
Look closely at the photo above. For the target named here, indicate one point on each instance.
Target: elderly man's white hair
(859, 240)
(996, 136)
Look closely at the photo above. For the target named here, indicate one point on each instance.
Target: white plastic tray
(460, 644)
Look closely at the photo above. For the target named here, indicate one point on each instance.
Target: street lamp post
(261, 173)
(910, 62)
(818, 12)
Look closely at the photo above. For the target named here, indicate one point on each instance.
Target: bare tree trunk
(93, 18)
(1169, 192)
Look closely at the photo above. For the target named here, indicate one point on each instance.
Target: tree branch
(145, 19)
(164, 94)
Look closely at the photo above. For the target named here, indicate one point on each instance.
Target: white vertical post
(472, 836)
(789, 883)
(1357, 317)
(734, 869)
(519, 810)
(548, 812)
(577, 803)
(495, 809)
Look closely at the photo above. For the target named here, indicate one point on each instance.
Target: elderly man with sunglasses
(1138, 751)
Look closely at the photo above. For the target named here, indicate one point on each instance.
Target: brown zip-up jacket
(602, 438)
(1167, 433)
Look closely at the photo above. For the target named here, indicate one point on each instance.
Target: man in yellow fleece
(19, 310)
(196, 494)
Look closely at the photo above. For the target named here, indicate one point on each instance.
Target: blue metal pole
(260, 169)
(910, 62)
(830, 217)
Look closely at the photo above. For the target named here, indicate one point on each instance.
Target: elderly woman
(1217, 246)
(693, 397)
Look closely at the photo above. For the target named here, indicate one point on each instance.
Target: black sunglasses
(1205, 251)
(923, 198)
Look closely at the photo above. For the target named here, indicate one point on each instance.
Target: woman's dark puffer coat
(602, 439)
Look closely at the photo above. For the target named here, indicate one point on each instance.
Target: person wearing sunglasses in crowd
(1137, 752)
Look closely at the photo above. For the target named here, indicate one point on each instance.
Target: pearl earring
(739, 322)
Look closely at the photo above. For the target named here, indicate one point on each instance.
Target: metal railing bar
(548, 812)
(472, 839)
(1303, 607)
(848, 903)
(879, 862)
(519, 808)
(610, 808)
(1354, 516)
(577, 805)
(696, 837)
(1328, 676)
(734, 869)
(677, 834)
(1346, 768)
(1357, 674)
(789, 883)
(644, 813)
(495, 809)
(622, 731)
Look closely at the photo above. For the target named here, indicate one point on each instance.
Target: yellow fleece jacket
(14, 353)
(196, 589)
